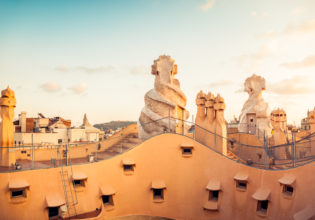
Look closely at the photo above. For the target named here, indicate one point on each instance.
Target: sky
(67, 58)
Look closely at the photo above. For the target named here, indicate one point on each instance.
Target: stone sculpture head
(254, 86)
(7, 103)
(209, 100)
(164, 69)
(219, 104)
(201, 98)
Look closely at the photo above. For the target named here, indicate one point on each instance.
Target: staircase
(232, 156)
(126, 143)
(69, 190)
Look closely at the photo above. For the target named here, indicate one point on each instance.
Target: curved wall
(186, 178)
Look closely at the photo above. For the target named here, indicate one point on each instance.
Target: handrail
(266, 151)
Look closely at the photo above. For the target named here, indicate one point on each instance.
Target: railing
(250, 149)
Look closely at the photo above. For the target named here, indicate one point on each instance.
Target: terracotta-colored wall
(186, 179)
(247, 152)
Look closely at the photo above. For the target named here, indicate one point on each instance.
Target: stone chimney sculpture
(7, 103)
(255, 114)
(200, 130)
(165, 100)
(210, 128)
(278, 119)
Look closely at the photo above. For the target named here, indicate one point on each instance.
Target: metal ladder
(69, 190)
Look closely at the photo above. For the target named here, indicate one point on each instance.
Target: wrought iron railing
(250, 149)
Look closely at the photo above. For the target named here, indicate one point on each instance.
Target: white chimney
(22, 122)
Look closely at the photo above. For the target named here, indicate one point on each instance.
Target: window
(18, 189)
(128, 167)
(262, 206)
(53, 212)
(241, 184)
(187, 151)
(288, 190)
(261, 195)
(78, 182)
(213, 195)
(107, 194)
(18, 193)
(232, 143)
(108, 200)
(241, 180)
(158, 187)
(59, 141)
(214, 187)
(287, 184)
(158, 194)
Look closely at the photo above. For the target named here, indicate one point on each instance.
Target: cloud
(305, 27)
(85, 69)
(133, 70)
(79, 89)
(297, 11)
(217, 84)
(306, 62)
(62, 68)
(139, 70)
(301, 28)
(240, 90)
(254, 60)
(220, 83)
(207, 5)
(51, 87)
(297, 85)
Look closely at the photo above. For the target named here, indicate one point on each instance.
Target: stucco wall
(186, 178)
(77, 134)
(39, 138)
(47, 153)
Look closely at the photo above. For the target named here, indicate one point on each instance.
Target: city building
(52, 131)
(309, 121)
(169, 173)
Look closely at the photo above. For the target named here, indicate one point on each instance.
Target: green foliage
(113, 125)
